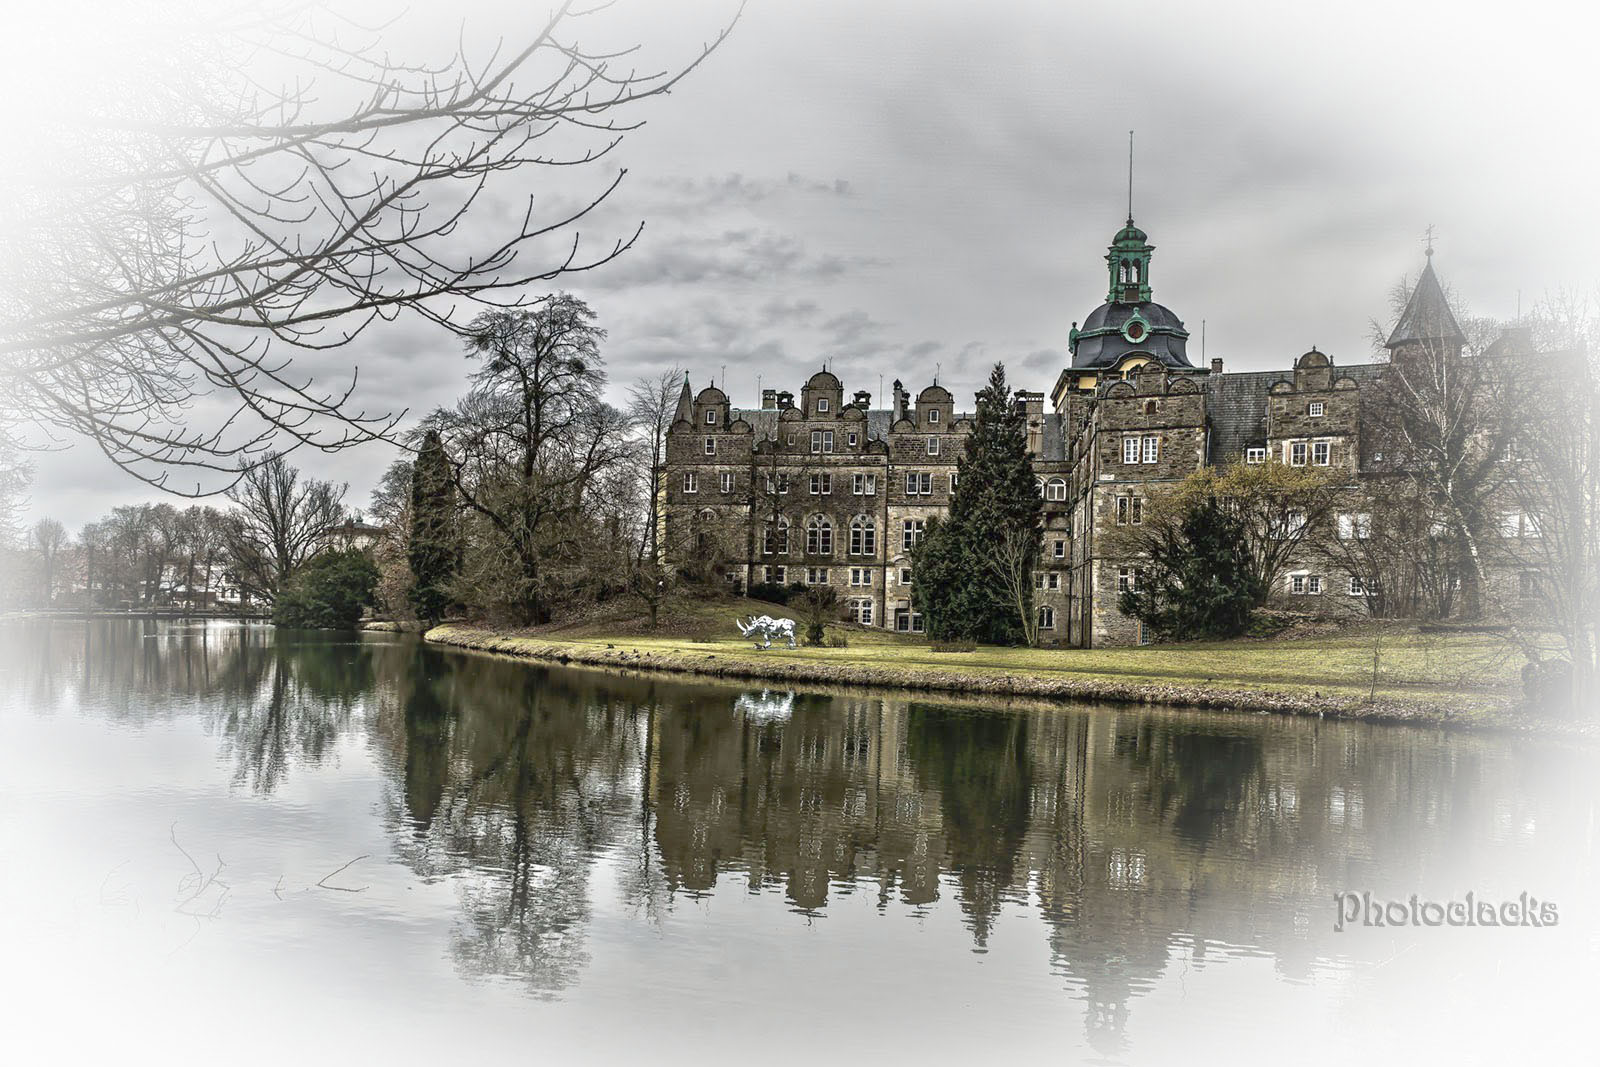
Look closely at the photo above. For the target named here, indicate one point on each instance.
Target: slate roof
(1427, 315)
(764, 421)
(1238, 405)
(1166, 341)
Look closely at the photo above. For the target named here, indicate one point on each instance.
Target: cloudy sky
(904, 187)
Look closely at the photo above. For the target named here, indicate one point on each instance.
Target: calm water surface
(222, 842)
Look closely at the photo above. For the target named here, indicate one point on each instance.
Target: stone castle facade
(826, 489)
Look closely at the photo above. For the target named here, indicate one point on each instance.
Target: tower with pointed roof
(1427, 320)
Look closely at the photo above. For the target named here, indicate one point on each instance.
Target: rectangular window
(933, 415)
(860, 576)
(775, 575)
(861, 610)
(821, 484)
(1314, 584)
(711, 446)
(1152, 449)
(1297, 584)
(1356, 587)
(1510, 523)
(711, 418)
(1314, 409)
(933, 446)
(919, 484)
(822, 405)
(1297, 454)
(1527, 585)
(1038, 579)
(1059, 550)
(691, 482)
(1130, 511)
(907, 621)
(725, 481)
(911, 531)
(1054, 580)
(954, 477)
(1130, 450)
(853, 439)
(816, 576)
(1047, 618)
(1355, 526)
(1255, 455)
(905, 575)
(791, 440)
(1125, 579)
(1321, 453)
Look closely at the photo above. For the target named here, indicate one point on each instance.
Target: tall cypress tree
(960, 593)
(435, 549)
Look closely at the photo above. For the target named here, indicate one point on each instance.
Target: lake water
(224, 843)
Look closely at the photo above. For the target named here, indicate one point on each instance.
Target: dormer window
(711, 418)
(1315, 409)
(933, 416)
(822, 405)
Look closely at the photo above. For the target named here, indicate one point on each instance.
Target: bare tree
(1442, 420)
(529, 447)
(47, 539)
(271, 180)
(652, 404)
(15, 476)
(277, 523)
(1011, 560)
(1556, 497)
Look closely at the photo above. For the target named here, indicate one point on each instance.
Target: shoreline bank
(718, 663)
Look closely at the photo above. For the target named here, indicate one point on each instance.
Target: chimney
(900, 398)
(786, 399)
(769, 399)
(1216, 366)
(1031, 405)
(864, 399)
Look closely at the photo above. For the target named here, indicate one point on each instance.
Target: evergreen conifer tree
(1197, 581)
(960, 593)
(435, 550)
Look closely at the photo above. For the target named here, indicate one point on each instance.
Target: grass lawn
(1463, 671)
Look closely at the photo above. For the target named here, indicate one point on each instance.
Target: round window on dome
(1135, 331)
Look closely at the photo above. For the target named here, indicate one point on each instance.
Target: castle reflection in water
(1133, 840)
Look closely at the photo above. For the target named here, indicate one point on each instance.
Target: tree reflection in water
(1139, 841)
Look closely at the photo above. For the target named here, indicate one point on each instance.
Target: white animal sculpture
(763, 628)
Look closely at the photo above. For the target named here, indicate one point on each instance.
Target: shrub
(771, 592)
(328, 593)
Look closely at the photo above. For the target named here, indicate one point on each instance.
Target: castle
(831, 491)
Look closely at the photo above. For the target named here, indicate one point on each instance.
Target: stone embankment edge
(998, 684)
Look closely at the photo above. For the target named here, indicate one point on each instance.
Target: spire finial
(1130, 177)
(1429, 238)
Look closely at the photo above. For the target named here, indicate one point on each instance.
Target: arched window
(863, 536)
(1047, 618)
(1056, 489)
(1041, 489)
(819, 536)
(776, 540)
(1133, 272)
